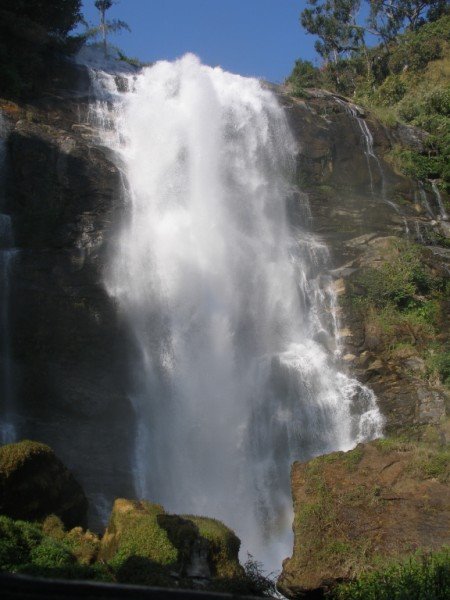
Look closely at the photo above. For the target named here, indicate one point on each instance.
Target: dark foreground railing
(32, 588)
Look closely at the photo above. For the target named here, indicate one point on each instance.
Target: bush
(438, 101)
(423, 577)
(390, 91)
(51, 554)
(17, 540)
(399, 279)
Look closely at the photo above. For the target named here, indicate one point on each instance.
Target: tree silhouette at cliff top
(107, 26)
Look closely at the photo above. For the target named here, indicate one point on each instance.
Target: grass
(424, 576)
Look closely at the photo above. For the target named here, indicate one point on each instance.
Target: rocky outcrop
(34, 484)
(356, 510)
(147, 545)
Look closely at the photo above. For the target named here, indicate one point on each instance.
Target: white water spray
(229, 306)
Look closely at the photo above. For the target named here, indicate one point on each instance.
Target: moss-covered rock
(378, 503)
(34, 483)
(223, 546)
(146, 545)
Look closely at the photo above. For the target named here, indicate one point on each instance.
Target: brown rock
(382, 500)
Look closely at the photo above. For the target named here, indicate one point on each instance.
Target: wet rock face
(68, 345)
(353, 510)
(34, 484)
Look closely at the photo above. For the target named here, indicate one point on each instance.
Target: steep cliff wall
(68, 347)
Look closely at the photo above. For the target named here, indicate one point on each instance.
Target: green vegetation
(12, 456)
(421, 577)
(402, 303)
(430, 455)
(405, 79)
(150, 547)
(224, 545)
(31, 31)
(139, 533)
(25, 548)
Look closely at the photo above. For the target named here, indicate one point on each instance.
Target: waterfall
(229, 305)
(7, 254)
(440, 203)
(371, 156)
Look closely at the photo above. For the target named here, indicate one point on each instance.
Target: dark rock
(34, 483)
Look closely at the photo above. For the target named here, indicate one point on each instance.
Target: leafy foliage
(334, 22)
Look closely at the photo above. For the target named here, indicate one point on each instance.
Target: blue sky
(259, 38)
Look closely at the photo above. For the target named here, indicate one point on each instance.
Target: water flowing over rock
(230, 310)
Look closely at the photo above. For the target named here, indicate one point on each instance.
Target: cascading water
(437, 194)
(229, 306)
(7, 254)
(371, 156)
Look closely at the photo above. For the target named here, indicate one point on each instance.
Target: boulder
(147, 545)
(34, 483)
(380, 502)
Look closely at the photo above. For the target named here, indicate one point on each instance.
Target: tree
(107, 26)
(334, 22)
(389, 17)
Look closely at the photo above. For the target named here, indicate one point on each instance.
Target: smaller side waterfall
(437, 194)
(372, 158)
(7, 254)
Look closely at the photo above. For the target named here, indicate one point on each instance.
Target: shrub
(17, 540)
(304, 74)
(422, 577)
(390, 91)
(399, 279)
(51, 554)
(438, 101)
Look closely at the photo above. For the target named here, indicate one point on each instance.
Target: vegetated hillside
(407, 81)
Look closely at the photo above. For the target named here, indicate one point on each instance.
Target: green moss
(13, 456)
(141, 535)
(224, 545)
